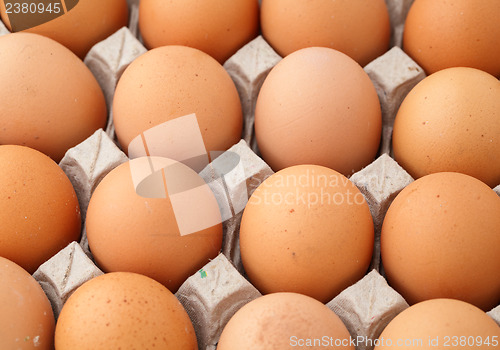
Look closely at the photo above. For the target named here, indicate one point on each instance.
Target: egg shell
(129, 232)
(123, 311)
(219, 28)
(39, 209)
(441, 239)
(306, 229)
(89, 22)
(318, 106)
(365, 302)
(441, 34)
(440, 324)
(50, 100)
(450, 121)
(282, 321)
(174, 81)
(27, 320)
(358, 28)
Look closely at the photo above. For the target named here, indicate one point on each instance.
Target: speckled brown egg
(26, 321)
(460, 33)
(306, 229)
(358, 28)
(450, 121)
(174, 81)
(282, 321)
(130, 231)
(217, 27)
(83, 26)
(440, 324)
(124, 311)
(49, 99)
(318, 106)
(441, 239)
(39, 211)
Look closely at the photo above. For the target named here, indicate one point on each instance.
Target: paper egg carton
(213, 294)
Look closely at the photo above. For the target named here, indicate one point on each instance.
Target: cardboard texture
(367, 307)
(495, 314)
(3, 29)
(212, 296)
(380, 182)
(232, 193)
(393, 74)
(86, 165)
(133, 22)
(249, 68)
(398, 9)
(108, 60)
(62, 274)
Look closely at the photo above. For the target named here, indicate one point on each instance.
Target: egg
(39, 211)
(442, 34)
(50, 100)
(123, 311)
(134, 225)
(217, 27)
(27, 320)
(450, 121)
(171, 82)
(440, 324)
(282, 321)
(358, 28)
(306, 229)
(82, 25)
(318, 106)
(441, 239)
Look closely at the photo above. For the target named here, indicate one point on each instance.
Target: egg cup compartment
(214, 293)
(3, 29)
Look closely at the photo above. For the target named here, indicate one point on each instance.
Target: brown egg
(358, 28)
(441, 239)
(50, 100)
(150, 230)
(306, 229)
(124, 311)
(451, 122)
(440, 324)
(27, 320)
(318, 106)
(282, 321)
(39, 211)
(217, 27)
(461, 33)
(174, 81)
(89, 22)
